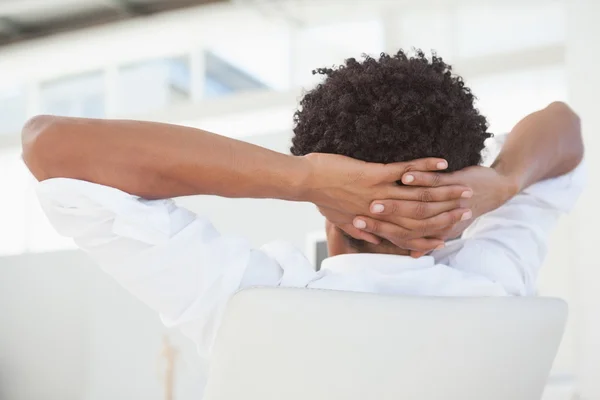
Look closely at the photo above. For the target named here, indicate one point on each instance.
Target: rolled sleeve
(509, 244)
(560, 193)
(174, 261)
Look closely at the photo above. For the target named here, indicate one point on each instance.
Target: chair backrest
(295, 344)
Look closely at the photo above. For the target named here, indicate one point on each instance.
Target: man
(370, 124)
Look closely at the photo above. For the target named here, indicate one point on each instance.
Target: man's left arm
(545, 144)
(536, 178)
(509, 244)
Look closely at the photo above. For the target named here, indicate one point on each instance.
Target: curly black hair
(391, 109)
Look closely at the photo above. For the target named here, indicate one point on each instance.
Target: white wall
(583, 59)
(67, 331)
(43, 327)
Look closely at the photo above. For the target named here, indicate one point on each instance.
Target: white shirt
(179, 265)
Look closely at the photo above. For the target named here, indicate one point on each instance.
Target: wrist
(312, 183)
(300, 185)
(512, 180)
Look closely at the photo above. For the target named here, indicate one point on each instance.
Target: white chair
(294, 344)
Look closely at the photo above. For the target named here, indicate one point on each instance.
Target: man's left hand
(490, 190)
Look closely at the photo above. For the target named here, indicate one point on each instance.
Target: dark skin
(154, 160)
(543, 145)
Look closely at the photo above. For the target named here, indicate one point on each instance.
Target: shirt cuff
(561, 192)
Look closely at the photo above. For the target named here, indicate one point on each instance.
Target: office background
(238, 68)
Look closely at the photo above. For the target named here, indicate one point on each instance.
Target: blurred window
(154, 84)
(259, 51)
(75, 96)
(222, 77)
(13, 211)
(483, 29)
(13, 109)
(23, 227)
(328, 45)
(508, 97)
(426, 30)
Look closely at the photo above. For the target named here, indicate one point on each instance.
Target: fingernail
(442, 165)
(441, 246)
(466, 216)
(377, 208)
(467, 194)
(360, 224)
(408, 178)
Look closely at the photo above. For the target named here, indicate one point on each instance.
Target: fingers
(412, 229)
(422, 246)
(394, 233)
(397, 235)
(360, 234)
(340, 220)
(414, 209)
(428, 194)
(442, 235)
(397, 170)
(417, 254)
(430, 179)
(431, 226)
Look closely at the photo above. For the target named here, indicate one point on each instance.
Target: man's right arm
(157, 161)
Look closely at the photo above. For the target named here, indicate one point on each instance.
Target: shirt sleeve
(508, 245)
(171, 259)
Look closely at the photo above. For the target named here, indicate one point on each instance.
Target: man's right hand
(343, 188)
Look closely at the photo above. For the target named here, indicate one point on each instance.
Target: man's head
(396, 108)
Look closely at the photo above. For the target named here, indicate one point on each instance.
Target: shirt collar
(381, 262)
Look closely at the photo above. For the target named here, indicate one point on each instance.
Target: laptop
(302, 344)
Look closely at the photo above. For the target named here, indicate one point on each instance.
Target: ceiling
(29, 19)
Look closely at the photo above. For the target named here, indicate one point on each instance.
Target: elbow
(37, 137)
(578, 150)
(572, 129)
(562, 108)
